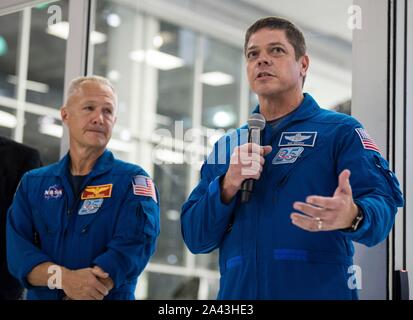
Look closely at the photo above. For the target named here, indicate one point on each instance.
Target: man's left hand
(327, 213)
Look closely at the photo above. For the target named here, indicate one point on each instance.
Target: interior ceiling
(324, 16)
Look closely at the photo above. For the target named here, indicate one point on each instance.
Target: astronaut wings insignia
(304, 139)
(97, 192)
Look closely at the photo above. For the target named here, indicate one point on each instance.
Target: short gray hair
(76, 83)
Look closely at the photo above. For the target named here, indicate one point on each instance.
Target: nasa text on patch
(304, 139)
(53, 192)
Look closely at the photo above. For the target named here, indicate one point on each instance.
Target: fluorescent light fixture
(51, 129)
(7, 120)
(113, 20)
(157, 59)
(216, 78)
(61, 30)
(223, 119)
(30, 85)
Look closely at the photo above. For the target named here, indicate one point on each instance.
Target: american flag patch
(366, 140)
(143, 186)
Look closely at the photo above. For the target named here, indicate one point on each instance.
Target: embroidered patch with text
(90, 206)
(287, 155)
(97, 192)
(303, 139)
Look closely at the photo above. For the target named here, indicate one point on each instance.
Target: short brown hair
(294, 35)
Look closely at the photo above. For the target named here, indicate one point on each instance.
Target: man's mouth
(96, 131)
(264, 74)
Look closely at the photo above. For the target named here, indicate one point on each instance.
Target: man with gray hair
(85, 227)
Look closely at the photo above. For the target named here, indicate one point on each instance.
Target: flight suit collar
(307, 108)
(103, 164)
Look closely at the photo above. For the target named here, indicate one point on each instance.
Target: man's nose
(98, 118)
(264, 60)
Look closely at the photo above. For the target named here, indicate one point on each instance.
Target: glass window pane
(171, 181)
(43, 133)
(221, 85)
(9, 28)
(175, 86)
(8, 122)
(172, 287)
(47, 55)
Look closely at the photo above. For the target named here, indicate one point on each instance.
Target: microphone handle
(247, 185)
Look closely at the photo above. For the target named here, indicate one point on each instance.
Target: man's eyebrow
(268, 44)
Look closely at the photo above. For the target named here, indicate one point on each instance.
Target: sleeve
(204, 217)
(375, 187)
(134, 240)
(22, 253)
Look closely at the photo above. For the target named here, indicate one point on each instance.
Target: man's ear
(63, 114)
(305, 62)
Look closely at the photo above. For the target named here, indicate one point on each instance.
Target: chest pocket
(48, 216)
(91, 212)
(282, 161)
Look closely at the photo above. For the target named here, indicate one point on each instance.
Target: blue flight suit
(262, 255)
(109, 224)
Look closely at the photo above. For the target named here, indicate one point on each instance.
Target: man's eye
(277, 50)
(251, 54)
(88, 108)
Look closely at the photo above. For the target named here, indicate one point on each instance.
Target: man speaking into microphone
(284, 197)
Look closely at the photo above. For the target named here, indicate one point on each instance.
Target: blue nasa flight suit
(115, 229)
(262, 254)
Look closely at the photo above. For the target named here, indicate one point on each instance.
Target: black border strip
(389, 10)
(404, 135)
(87, 39)
(393, 113)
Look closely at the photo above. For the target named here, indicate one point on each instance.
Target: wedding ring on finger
(319, 223)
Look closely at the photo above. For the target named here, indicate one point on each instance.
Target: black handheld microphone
(256, 124)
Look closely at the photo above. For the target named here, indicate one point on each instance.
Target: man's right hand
(246, 162)
(83, 284)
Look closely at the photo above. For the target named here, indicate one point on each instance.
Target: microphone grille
(256, 121)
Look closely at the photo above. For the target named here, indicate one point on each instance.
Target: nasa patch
(54, 192)
(287, 155)
(304, 139)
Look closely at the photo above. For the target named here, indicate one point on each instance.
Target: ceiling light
(157, 59)
(216, 78)
(223, 119)
(51, 129)
(7, 120)
(113, 75)
(30, 85)
(125, 135)
(61, 30)
(157, 41)
(113, 20)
